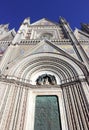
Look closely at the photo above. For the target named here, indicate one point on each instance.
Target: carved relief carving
(46, 79)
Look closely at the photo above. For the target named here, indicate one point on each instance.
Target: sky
(15, 11)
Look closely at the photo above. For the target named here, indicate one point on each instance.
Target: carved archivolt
(63, 68)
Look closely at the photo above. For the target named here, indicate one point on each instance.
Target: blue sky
(14, 11)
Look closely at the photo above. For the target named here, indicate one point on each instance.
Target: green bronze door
(47, 115)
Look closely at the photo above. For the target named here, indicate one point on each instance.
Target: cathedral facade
(44, 76)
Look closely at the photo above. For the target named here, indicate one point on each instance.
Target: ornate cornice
(35, 41)
(4, 42)
(26, 83)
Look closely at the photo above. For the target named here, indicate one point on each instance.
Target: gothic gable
(44, 46)
(5, 33)
(44, 21)
(81, 35)
(6, 37)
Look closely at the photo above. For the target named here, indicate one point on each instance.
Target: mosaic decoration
(2, 50)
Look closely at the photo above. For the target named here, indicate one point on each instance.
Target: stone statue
(46, 79)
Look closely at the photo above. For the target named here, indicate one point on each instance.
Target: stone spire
(22, 31)
(76, 45)
(20, 34)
